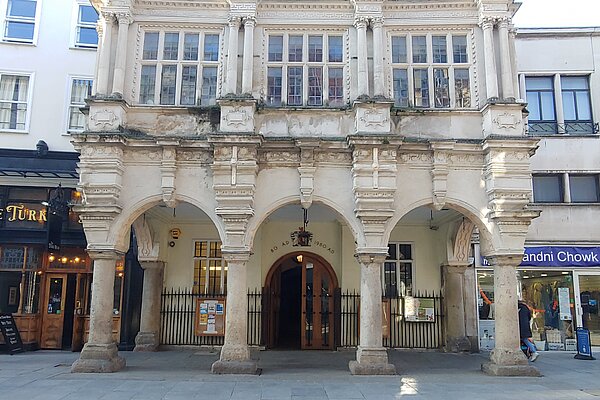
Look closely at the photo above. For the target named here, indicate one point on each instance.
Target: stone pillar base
(458, 345)
(491, 368)
(248, 367)
(371, 362)
(146, 341)
(98, 358)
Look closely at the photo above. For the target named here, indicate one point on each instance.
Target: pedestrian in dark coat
(525, 330)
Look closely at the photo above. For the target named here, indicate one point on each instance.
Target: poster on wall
(418, 309)
(210, 317)
(564, 304)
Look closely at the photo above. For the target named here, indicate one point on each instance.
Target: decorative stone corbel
(307, 170)
(439, 172)
(168, 170)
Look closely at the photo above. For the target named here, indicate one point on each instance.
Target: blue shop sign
(558, 256)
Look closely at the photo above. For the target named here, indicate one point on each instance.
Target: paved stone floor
(172, 375)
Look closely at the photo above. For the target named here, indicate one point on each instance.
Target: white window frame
(180, 63)
(30, 75)
(324, 64)
(76, 25)
(400, 290)
(450, 65)
(68, 103)
(4, 21)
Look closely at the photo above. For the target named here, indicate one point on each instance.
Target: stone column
(124, 20)
(378, 74)
(100, 352)
(363, 77)
(249, 23)
(104, 50)
(508, 90)
(148, 337)
(232, 53)
(491, 75)
(454, 300)
(560, 111)
(371, 356)
(507, 359)
(235, 354)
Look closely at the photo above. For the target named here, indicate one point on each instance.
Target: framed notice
(12, 296)
(564, 305)
(210, 317)
(419, 309)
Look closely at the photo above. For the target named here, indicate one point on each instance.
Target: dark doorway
(290, 308)
(69, 311)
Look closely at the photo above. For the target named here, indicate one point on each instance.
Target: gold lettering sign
(18, 212)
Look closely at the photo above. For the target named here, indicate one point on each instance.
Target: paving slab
(299, 375)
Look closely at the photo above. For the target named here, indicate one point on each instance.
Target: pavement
(298, 375)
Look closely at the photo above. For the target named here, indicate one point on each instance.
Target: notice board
(210, 317)
(12, 338)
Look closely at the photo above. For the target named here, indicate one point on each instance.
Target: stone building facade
(392, 122)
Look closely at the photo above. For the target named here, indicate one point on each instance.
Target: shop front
(46, 287)
(562, 287)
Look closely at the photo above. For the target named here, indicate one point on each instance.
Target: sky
(558, 13)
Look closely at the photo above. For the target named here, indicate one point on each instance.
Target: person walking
(525, 330)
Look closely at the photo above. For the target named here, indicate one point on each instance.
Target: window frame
(401, 286)
(307, 65)
(398, 63)
(159, 63)
(205, 289)
(6, 20)
(77, 24)
(70, 80)
(561, 187)
(29, 102)
(595, 177)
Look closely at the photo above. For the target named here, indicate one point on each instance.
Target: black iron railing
(178, 313)
(567, 128)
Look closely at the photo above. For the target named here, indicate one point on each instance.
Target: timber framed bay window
(21, 20)
(431, 70)
(210, 270)
(15, 95)
(305, 70)
(558, 104)
(80, 89)
(179, 68)
(568, 187)
(398, 270)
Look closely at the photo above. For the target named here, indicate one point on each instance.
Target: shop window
(584, 188)
(426, 75)
(85, 31)
(69, 258)
(14, 102)
(398, 270)
(299, 74)
(20, 269)
(210, 271)
(20, 22)
(548, 188)
(80, 90)
(175, 71)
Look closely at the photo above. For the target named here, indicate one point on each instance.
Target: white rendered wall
(52, 61)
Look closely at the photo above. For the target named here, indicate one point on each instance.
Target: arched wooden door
(317, 286)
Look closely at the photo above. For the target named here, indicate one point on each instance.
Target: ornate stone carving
(507, 121)
(105, 120)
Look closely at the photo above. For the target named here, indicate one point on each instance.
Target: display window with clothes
(549, 294)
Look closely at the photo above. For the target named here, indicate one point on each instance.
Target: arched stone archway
(299, 292)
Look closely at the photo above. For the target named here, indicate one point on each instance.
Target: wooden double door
(63, 299)
(300, 303)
